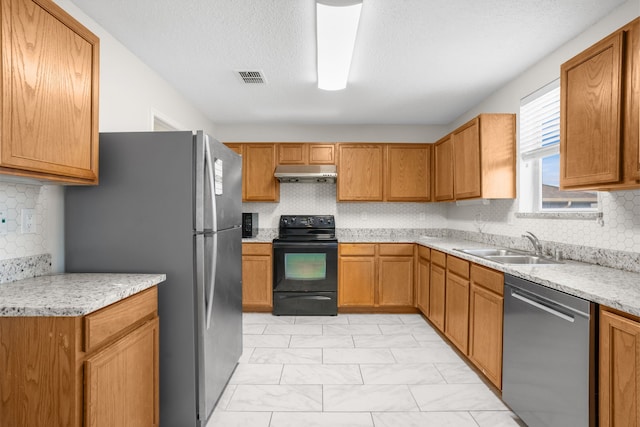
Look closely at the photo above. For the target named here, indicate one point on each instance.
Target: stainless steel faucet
(534, 241)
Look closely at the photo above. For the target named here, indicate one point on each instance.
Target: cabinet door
(257, 277)
(632, 101)
(121, 381)
(322, 154)
(293, 154)
(258, 182)
(356, 284)
(424, 274)
(466, 158)
(235, 147)
(49, 91)
(443, 165)
(360, 172)
(407, 172)
(437, 296)
(457, 311)
(619, 387)
(591, 115)
(485, 332)
(395, 281)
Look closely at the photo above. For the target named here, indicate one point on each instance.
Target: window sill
(560, 215)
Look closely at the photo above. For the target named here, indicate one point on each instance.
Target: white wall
(621, 210)
(130, 93)
(241, 132)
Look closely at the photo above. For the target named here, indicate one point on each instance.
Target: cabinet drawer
(458, 266)
(357, 249)
(488, 278)
(438, 258)
(256, 249)
(424, 252)
(111, 321)
(395, 249)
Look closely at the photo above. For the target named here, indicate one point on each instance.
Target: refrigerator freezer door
(225, 171)
(220, 344)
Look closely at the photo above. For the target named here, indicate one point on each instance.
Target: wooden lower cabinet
(95, 370)
(456, 324)
(121, 381)
(376, 276)
(486, 302)
(423, 280)
(356, 276)
(395, 275)
(619, 385)
(257, 277)
(437, 289)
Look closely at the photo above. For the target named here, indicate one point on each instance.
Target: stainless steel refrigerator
(170, 202)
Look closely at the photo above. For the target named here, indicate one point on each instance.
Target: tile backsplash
(320, 199)
(618, 229)
(14, 198)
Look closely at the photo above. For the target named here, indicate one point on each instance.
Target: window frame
(531, 154)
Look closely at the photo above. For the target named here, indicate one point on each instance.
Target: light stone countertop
(612, 287)
(70, 294)
(608, 286)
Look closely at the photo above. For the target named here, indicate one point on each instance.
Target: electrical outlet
(421, 216)
(364, 216)
(28, 225)
(4, 228)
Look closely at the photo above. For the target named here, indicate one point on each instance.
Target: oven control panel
(307, 221)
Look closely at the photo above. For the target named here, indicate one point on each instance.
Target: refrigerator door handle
(209, 167)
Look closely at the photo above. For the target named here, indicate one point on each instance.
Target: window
(540, 157)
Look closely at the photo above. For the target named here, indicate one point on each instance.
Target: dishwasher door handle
(542, 306)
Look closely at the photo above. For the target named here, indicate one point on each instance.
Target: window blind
(540, 123)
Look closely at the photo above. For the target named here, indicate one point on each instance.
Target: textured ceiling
(415, 61)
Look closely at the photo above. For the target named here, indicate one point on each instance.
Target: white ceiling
(415, 62)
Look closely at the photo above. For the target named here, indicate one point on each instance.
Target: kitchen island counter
(70, 294)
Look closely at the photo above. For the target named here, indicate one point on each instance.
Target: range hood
(306, 173)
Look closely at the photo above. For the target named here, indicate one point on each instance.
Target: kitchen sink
(521, 259)
(508, 256)
(490, 252)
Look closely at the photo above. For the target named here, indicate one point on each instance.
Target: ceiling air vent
(251, 77)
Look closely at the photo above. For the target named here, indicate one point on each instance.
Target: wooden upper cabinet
(599, 114)
(258, 166)
(306, 154)
(50, 77)
(322, 154)
(360, 172)
(443, 169)
(293, 154)
(235, 147)
(466, 158)
(484, 158)
(408, 172)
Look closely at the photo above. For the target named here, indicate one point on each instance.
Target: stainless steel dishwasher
(548, 370)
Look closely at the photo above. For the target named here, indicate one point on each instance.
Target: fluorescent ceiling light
(337, 26)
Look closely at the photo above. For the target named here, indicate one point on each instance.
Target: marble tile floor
(353, 370)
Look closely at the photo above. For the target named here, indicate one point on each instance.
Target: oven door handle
(305, 297)
(305, 245)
